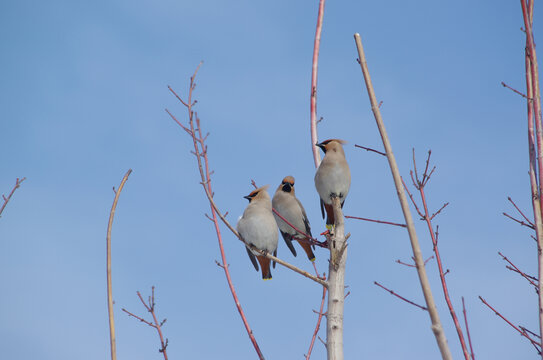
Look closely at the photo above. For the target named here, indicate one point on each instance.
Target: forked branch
(420, 186)
(150, 307)
(200, 152)
(6, 199)
(522, 333)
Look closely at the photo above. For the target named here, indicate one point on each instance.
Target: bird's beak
(248, 197)
(321, 146)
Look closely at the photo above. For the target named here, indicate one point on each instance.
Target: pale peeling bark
(336, 285)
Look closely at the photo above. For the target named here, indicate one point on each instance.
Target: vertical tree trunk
(336, 286)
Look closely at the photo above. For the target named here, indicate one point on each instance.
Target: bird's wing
(322, 208)
(252, 257)
(288, 241)
(304, 218)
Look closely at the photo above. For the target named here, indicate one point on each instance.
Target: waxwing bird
(333, 177)
(287, 204)
(257, 227)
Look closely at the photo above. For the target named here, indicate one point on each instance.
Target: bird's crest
(255, 192)
(288, 180)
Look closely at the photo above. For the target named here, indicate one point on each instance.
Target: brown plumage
(333, 177)
(257, 227)
(287, 204)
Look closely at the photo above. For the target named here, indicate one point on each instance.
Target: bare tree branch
(200, 152)
(437, 328)
(150, 307)
(113, 346)
(467, 328)
(6, 199)
(534, 343)
(376, 221)
(370, 149)
(313, 91)
(401, 297)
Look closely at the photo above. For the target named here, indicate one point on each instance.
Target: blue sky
(82, 98)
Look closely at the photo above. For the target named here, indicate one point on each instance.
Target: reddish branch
(377, 221)
(467, 328)
(520, 212)
(514, 90)
(518, 221)
(313, 91)
(420, 185)
(200, 152)
(6, 199)
(517, 270)
(150, 307)
(320, 313)
(412, 200)
(413, 265)
(529, 332)
(370, 149)
(536, 100)
(535, 154)
(400, 297)
(523, 333)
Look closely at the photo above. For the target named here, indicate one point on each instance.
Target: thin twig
(467, 328)
(370, 149)
(138, 318)
(6, 199)
(520, 211)
(515, 270)
(411, 197)
(113, 346)
(425, 176)
(418, 182)
(376, 221)
(321, 313)
(535, 343)
(437, 212)
(413, 265)
(521, 273)
(522, 223)
(514, 90)
(529, 332)
(401, 297)
(150, 307)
